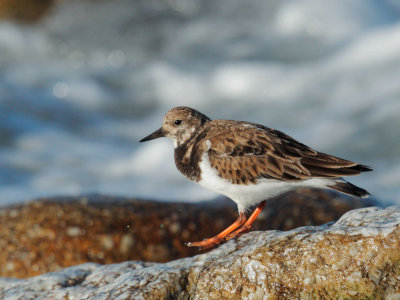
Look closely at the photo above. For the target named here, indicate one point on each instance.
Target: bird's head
(179, 124)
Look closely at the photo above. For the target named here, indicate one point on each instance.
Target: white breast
(251, 194)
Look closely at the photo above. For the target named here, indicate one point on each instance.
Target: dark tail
(349, 189)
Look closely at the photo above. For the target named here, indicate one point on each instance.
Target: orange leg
(208, 243)
(246, 227)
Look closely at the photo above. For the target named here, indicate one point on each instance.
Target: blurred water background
(80, 87)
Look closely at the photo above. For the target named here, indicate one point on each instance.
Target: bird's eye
(178, 122)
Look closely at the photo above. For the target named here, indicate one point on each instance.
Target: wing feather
(245, 152)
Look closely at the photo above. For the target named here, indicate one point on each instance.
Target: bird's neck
(188, 155)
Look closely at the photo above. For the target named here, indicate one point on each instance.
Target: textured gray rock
(356, 257)
(48, 235)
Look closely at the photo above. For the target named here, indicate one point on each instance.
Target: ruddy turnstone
(249, 163)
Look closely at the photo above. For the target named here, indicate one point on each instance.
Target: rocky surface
(24, 10)
(50, 234)
(356, 257)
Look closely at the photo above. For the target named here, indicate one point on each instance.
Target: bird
(249, 163)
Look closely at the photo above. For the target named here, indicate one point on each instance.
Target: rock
(50, 234)
(24, 10)
(356, 257)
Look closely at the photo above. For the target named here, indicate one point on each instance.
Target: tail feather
(318, 171)
(325, 165)
(361, 168)
(328, 166)
(349, 189)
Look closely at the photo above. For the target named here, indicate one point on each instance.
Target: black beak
(155, 135)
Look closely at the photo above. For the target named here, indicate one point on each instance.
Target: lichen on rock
(50, 234)
(356, 257)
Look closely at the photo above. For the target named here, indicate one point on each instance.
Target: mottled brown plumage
(244, 152)
(236, 155)
(252, 151)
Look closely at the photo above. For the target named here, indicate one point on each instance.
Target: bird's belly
(246, 195)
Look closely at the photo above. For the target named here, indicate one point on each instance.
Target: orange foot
(240, 226)
(211, 242)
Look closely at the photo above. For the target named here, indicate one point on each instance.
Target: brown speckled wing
(244, 152)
